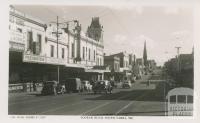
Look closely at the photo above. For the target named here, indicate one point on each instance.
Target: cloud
(184, 39)
(137, 9)
(120, 38)
(181, 34)
(139, 41)
(171, 10)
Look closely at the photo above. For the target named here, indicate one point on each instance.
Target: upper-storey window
(52, 51)
(73, 48)
(19, 30)
(39, 39)
(94, 55)
(30, 41)
(89, 54)
(83, 52)
(11, 19)
(63, 53)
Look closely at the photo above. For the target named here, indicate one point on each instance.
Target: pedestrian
(34, 86)
(54, 88)
(148, 82)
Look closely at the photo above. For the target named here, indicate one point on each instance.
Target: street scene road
(140, 100)
(70, 64)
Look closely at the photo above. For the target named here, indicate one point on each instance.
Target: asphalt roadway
(140, 100)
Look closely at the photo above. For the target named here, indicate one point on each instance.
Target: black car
(102, 86)
(52, 87)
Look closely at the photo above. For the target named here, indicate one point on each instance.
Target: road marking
(33, 100)
(130, 103)
(54, 109)
(126, 106)
(104, 104)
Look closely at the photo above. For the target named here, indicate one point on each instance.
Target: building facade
(37, 55)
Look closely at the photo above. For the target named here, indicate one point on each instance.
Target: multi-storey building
(36, 54)
(27, 36)
(113, 62)
(124, 67)
(124, 61)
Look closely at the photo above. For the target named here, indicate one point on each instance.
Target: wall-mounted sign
(16, 46)
(33, 58)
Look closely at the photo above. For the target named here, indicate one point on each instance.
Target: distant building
(151, 64)
(145, 60)
(182, 71)
(124, 67)
(124, 61)
(113, 62)
(139, 67)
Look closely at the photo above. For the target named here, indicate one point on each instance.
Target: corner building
(35, 53)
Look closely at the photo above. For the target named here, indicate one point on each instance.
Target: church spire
(145, 54)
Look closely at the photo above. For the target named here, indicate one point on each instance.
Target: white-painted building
(37, 47)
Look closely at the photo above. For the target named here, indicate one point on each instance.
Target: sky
(126, 28)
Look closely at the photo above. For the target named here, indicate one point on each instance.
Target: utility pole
(57, 40)
(178, 59)
(57, 36)
(178, 64)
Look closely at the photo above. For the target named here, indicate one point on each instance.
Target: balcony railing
(31, 58)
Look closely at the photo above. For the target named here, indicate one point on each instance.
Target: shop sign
(55, 61)
(16, 46)
(33, 58)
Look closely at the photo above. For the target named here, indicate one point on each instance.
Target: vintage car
(49, 87)
(126, 84)
(73, 85)
(102, 86)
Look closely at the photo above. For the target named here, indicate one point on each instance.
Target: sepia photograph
(101, 60)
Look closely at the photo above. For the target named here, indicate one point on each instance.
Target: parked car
(102, 86)
(73, 85)
(126, 84)
(61, 88)
(49, 87)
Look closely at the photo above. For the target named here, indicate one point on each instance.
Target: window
(94, 55)
(99, 61)
(189, 99)
(52, 51)
(19, 30)
(63, 53)
(29, 40)
(39, 39)
(83, 52)
(89, 54)
(86, 52)
(181, 98)
(115, 66)
(173, 99)
(11, 19)
(72, 50)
